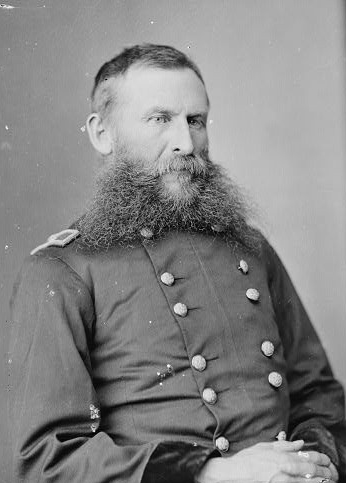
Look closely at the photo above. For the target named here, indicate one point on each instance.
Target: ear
(99, 134)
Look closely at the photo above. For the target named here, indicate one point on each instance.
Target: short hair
(151, 55)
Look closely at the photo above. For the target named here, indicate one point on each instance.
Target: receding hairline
(144, 55)
(108, 87)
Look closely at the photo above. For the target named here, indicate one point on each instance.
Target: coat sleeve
(317, 412)
(55, 417)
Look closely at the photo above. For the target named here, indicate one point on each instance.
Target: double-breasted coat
(142, 361)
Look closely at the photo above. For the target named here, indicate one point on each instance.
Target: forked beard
(130, 197)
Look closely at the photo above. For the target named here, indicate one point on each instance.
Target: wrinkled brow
(170, 112)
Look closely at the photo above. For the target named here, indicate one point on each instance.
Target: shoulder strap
(60, 239)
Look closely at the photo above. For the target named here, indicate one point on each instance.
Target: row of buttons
(267, 347)
(199, 363)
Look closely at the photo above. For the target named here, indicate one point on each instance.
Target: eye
(196, 122)
(159, 119)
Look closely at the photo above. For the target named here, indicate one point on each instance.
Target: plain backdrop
(275, 73)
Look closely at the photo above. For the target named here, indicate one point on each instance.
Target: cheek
(201, 140)
(150, 152)
(144, 140)
(153, 147)
(146, 144)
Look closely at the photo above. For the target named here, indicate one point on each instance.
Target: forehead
(177, 89)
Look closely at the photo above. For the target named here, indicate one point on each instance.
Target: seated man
(160, 339)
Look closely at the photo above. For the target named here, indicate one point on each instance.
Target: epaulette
(60, 239)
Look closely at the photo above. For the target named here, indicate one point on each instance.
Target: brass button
(243, 266)
(267, 348)
(222, 444)
(199, 363)
(209, 395)
(167, 278)
(180, 309)
(253, 294)
(146, 233)
(275, 379)
(281, 436)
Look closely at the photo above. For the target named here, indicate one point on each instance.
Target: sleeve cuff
(176, 462)
(317, 438)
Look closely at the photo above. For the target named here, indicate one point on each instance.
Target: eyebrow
(169, 112)
(159, 110)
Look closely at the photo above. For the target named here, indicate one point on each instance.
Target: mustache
(195, 164)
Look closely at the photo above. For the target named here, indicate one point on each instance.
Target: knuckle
(287, 466)
(312, 469)
(282, 445)
(304, 454)
(313, 456)
(327, 473)
(278, 478)
(321, 458)
(324, 472)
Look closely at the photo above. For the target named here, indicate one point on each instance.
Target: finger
(319, 471)
(284, 478)
(293, 446)
(334, 471)
(315, 457)
(315, 480)
(316, 471)
(297, 479)
(306, 469)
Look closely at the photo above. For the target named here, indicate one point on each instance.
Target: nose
(182, 142)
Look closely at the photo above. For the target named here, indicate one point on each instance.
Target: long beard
(130, 197)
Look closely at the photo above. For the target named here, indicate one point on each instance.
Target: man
(160, 338)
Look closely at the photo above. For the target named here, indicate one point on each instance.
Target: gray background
(275, 72)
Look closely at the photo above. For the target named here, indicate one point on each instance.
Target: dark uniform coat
(137, 364)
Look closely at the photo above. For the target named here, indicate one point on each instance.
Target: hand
(313, 457)
(277, 462)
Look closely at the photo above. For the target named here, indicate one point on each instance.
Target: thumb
(289, 445)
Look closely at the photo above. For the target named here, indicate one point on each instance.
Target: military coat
(146, 360)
